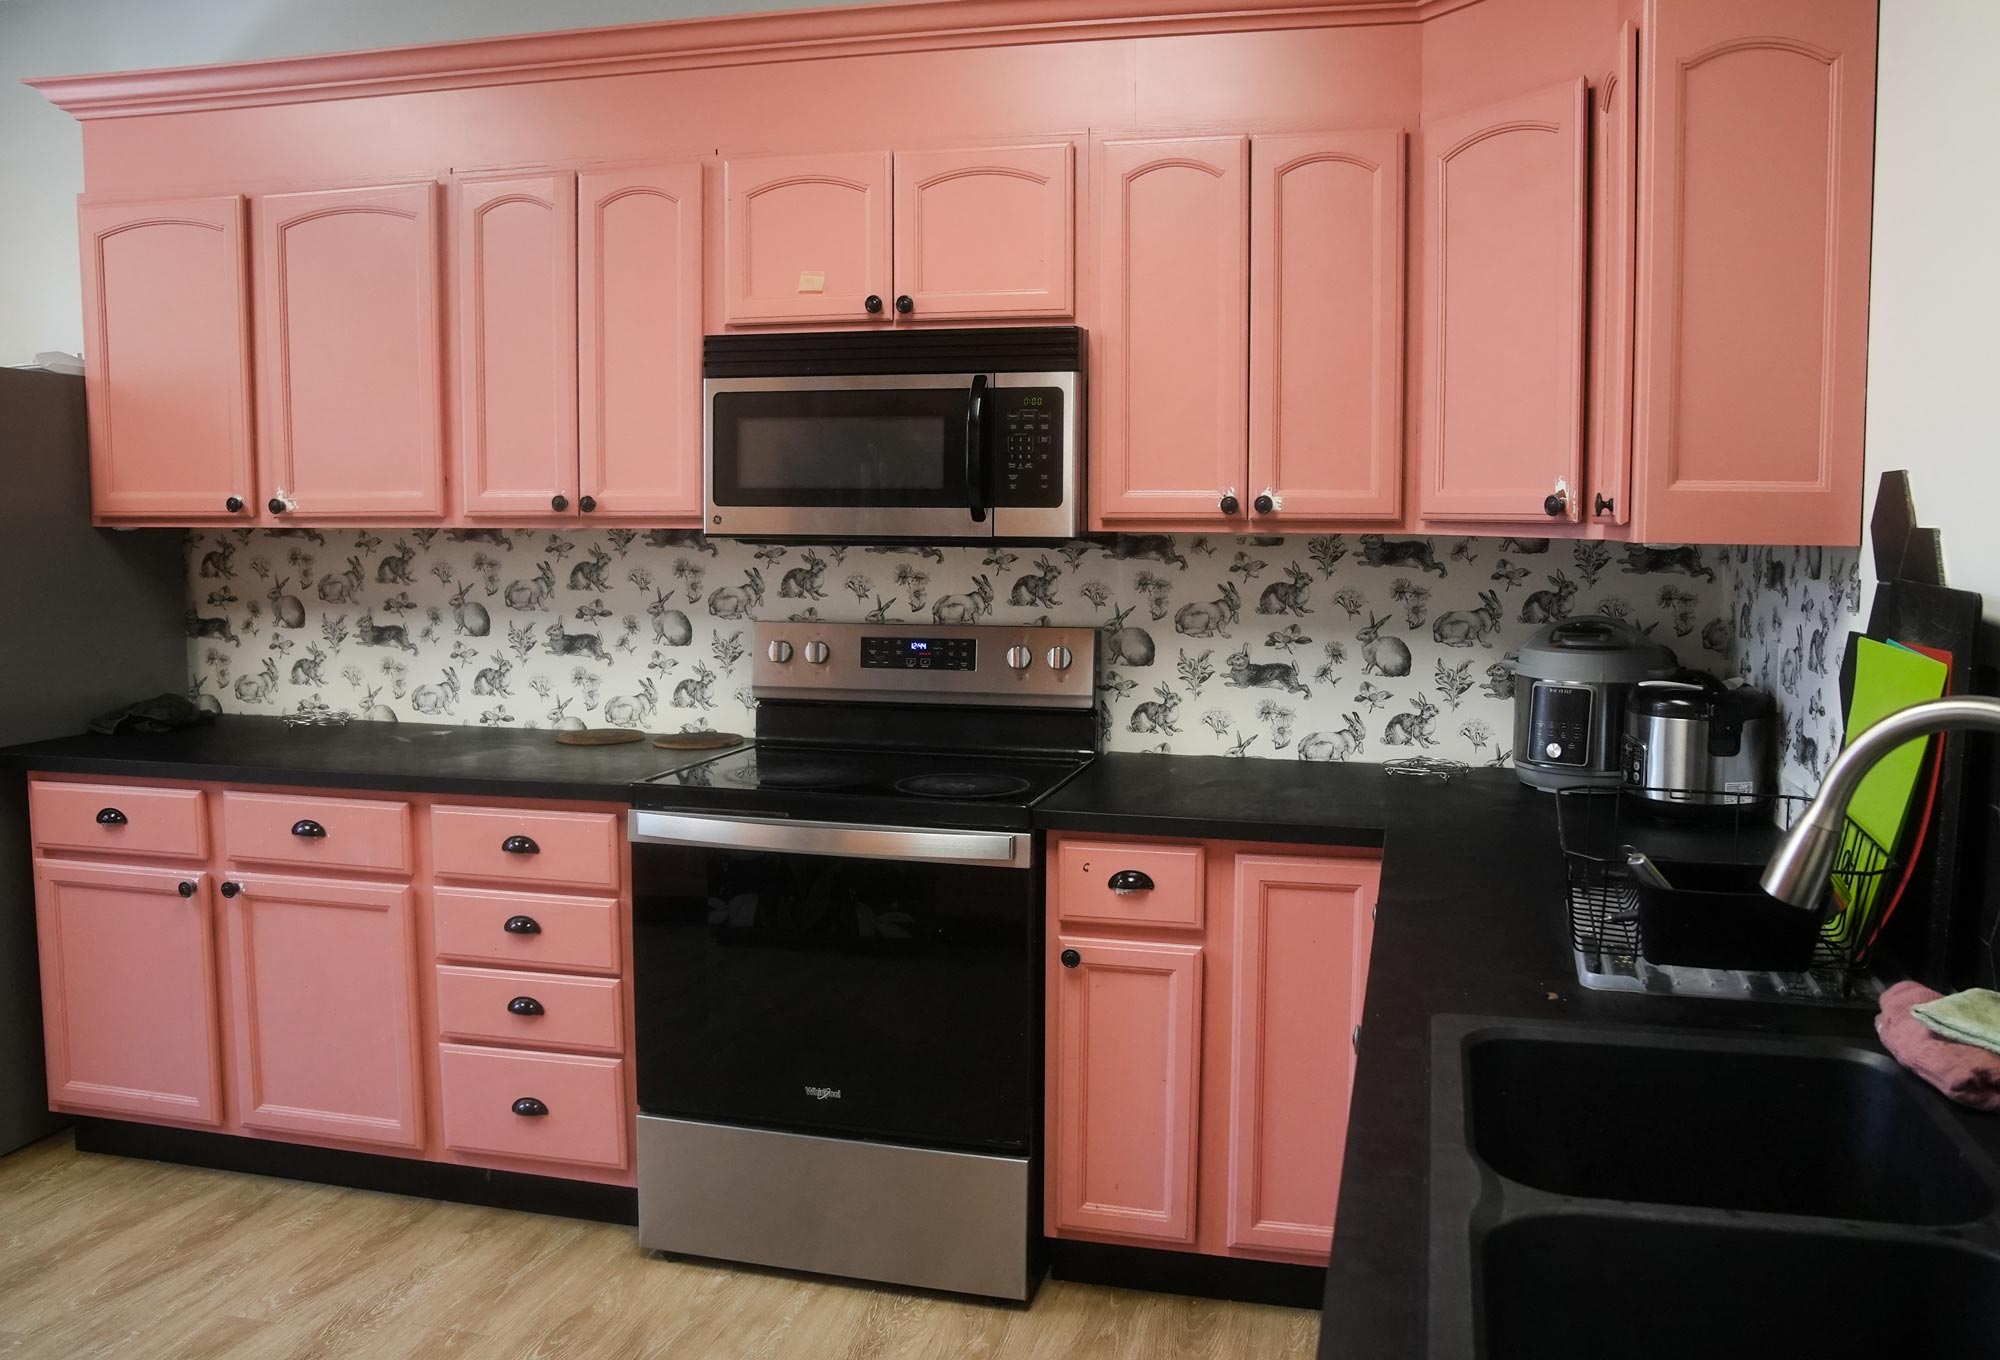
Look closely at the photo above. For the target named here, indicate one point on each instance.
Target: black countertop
(395, 757)
(1470, 918)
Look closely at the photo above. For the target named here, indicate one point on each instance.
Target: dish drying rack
(1595, 824)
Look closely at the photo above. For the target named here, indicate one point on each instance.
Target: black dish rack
(1716, 934)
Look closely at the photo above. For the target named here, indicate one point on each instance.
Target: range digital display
(919, 654)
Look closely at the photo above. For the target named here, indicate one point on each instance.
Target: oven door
(857, 456)
(860, 981)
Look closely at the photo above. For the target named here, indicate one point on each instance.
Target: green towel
(1970, 1017)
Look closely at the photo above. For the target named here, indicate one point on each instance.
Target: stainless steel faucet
(1803, 862)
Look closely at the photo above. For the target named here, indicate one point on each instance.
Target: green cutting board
(1887, 679)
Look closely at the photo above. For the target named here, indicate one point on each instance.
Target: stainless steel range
(838, 937)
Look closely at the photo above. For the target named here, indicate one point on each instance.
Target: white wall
(1934, 326)
(41, 147)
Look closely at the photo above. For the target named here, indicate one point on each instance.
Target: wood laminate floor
(110, 1257)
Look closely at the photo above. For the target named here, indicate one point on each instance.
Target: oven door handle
(923, 845)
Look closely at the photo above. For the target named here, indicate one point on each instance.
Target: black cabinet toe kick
(362, 1170)
(1186, 1272)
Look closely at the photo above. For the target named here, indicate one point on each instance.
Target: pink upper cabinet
(1326, 339)
(348, 378)
(806, 239)
(128, 990)
(1753, 285)
(514, 254)
(166, 326)
(1170, 349)
(987, 232)
(1504, 397)
(1124, 1091)
(1300, 968)
(638, 300)
(324, 1011)
(1613, 242)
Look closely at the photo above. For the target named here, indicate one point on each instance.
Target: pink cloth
(1965, 1072)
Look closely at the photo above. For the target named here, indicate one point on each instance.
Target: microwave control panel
(1029, 457)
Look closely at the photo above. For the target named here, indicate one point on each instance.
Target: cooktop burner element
(962, 785)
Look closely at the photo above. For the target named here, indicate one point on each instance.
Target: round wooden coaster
(599, 736)
(697, 741)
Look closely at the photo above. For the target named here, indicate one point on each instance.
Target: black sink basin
(1796, 1127)
(1585, 1285)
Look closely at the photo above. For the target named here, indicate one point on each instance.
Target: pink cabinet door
(348, 357)
(324, 1008)
(128, 991)
(1753, 282)
(1614, 140)
(1326, 339)
(1170, 350)
(1503, 409)
(985, 232)
(639, 320)
(806, 239)
(1299, 970)
(514, 257)
(166, 332)
(1126, 1087)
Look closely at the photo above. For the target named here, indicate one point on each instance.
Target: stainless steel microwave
(935, 435)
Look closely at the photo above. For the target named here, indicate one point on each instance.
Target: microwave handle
(975, 448)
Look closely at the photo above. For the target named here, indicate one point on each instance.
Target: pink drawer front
(520, 845)
(318, 833)
(536, 1010)
(118, 819)
(1130, 883)
(526, 930)
(579, 1105)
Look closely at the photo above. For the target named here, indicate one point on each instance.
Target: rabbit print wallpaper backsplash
(1329, 647)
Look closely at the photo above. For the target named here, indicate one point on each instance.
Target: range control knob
(1059, 658)
(779, 651)
(1020, 658)
(816, 652)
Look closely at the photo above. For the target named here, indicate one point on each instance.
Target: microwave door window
(873, 447)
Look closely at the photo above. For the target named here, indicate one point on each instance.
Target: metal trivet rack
(1595, 824)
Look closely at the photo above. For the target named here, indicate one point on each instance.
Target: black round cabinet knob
(906, 304)
(524, 1005)
(1263, 505)
(275, 506)
(1070, 958)
(234, 505)
(872, 304)
(518, 925)
(1229, 505)
(559, 503)
(231, 889)
(110, 817)
(186, 889)
(586, 504)
(530, 1108)
(520, 845)
(1605, 504)
(1555, 504)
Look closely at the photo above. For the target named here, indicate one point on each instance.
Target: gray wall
(41, 147)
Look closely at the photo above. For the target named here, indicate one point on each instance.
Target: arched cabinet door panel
(985, 232)
(1504, 352)
(806, 239)
(1753, 287)
(166, 328)
(349, 375)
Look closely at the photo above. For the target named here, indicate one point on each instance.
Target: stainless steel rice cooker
(1694, 745)
(1569, 700)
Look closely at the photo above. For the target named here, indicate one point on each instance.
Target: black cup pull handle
(110, 817)
(530, 1108)
(230, 889)
(520, 845)
(522, 925)
(524, 1005)
(186, 888)
(1127, 881)
(1070, 958)
(308, 829)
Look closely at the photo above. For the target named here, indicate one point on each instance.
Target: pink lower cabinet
(324, 987)
(551, 1107)
(1200, 1064)
(128, 990)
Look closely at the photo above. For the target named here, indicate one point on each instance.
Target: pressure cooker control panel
(1559, 725)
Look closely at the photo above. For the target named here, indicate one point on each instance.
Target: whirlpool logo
(823, 1092)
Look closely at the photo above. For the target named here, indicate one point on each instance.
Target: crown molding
(682, 44)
